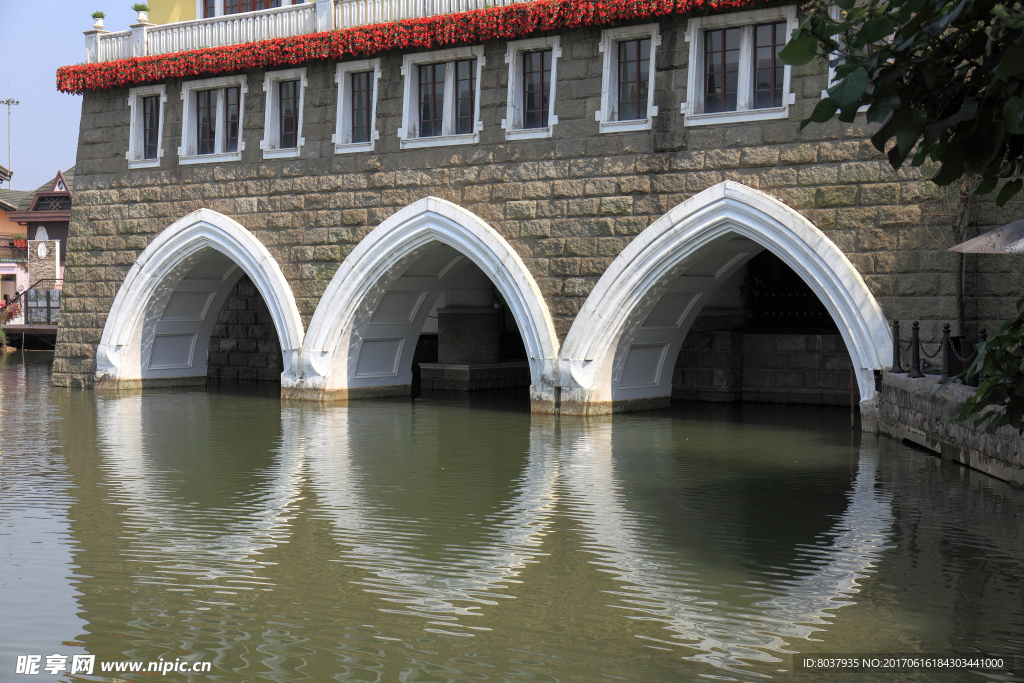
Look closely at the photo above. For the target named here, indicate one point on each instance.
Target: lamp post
(10, 102)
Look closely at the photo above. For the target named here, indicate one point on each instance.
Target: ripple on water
(449, 540)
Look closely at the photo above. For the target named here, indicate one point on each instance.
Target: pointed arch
(733, 222)
(192, 265)
(339, 330)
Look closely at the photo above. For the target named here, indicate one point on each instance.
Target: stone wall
(737, 365)
(244, 344)
(567, 204)
(911, 409)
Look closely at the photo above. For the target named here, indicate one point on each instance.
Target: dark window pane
(769, 39)
(362, 98)
(289, 108)
(721, 69)
(465, 95)
(232, 112)
(209, 9)
(150, 126)
(206, 121)
(634, 71)
(431, 99)
(536, 88)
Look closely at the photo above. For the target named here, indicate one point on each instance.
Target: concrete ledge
(108, 385)
(910, 409)
(633, 405)
(337, 395)
(473, 377)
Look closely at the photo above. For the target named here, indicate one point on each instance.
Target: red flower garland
(473, 27)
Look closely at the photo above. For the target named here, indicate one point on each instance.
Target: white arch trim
(417, 225)
(184, 238)
(728, 207)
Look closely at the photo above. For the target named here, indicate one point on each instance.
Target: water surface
(462, 539)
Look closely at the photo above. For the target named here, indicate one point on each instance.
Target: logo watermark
(31, 665)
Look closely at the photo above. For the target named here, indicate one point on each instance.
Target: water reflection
(430, 541)
(725, 612)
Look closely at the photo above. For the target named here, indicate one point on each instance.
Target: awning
(1008, 239)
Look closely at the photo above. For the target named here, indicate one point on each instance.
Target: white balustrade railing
(115, 46)
(280, 22)
(349, 13)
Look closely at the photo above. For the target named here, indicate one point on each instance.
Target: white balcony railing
(280, 22)
(349, 13)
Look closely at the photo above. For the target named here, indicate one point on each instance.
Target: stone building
(613, 204)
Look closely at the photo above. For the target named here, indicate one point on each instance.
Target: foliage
(3, 338)
(140, 7)
(98, 15)
(942, 79)
(999, 399)
(461, 28)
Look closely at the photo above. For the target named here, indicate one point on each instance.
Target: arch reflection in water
(438, 537)
(198, 517)
(727, 617)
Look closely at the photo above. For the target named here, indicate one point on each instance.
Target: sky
(36, 38)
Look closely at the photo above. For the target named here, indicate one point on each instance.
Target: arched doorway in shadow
(203, 278)
(623, 345)
(432, 268)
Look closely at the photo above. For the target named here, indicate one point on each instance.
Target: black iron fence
(953, 356)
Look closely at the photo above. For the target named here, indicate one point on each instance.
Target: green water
(462, 539)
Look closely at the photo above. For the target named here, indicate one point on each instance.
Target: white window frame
(513, 121)
(342, 137)
(693, 107)
(188, 119)
(135, 145)
(271, 142)
(410, 119)
(607, 115)
(218, 7)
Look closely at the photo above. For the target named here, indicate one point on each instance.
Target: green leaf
(849, 90)
(800, 49)
(874, 30)
(823, 111)
(1008, 191)
(945, 20)
(882, 108)
(985, 186)
(1013, 115)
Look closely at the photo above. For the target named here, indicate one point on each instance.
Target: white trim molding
(331, 349)
(714, 220)
(693, 107)
(142, 299)
(342, 137)
(187, 153)
(408, 133)
(513, 121)
(136, 96)
(607, 116)
(271, 142)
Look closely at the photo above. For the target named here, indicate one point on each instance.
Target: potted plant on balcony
(20, 240)
(143, 10)
(97, 20)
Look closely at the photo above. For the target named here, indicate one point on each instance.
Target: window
(627, 86)
(211, 122)
(532, 72)
(357, 106)
(442, 98)
(735, 73)
(218, 8)
(145, 142)
(282, 121)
